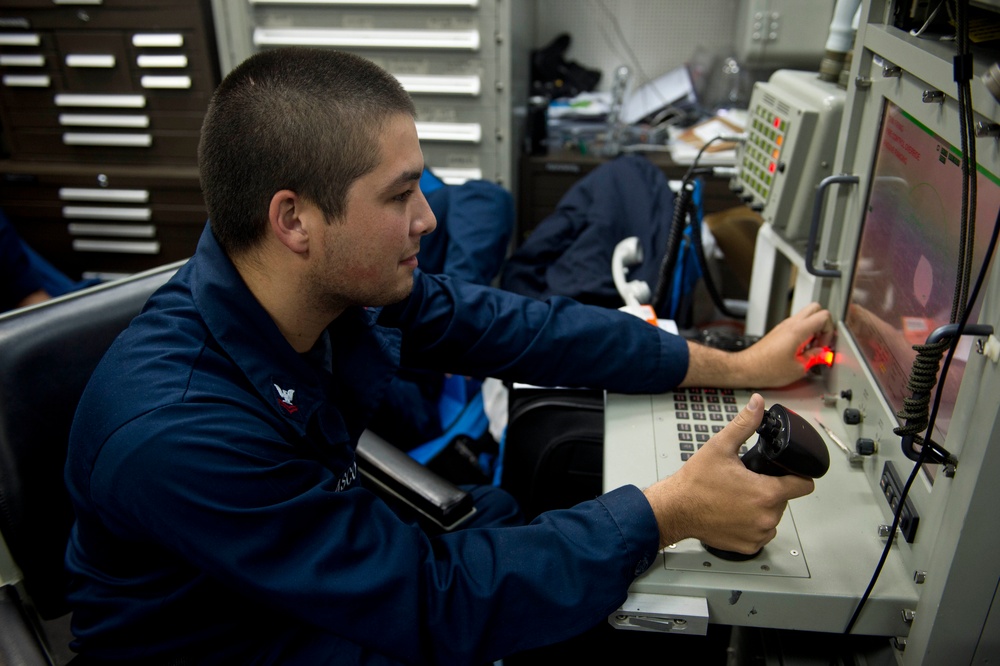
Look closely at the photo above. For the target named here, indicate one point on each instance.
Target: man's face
(368, 256)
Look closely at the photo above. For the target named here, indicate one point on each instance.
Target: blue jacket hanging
(569, 253)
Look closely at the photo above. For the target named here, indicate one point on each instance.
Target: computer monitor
(902, 286)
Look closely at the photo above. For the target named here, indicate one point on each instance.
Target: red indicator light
(824, 357)
(770, 167)
(777, 122)
(827, 356)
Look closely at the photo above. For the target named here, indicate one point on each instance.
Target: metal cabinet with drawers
(104, 219)
(464, 62)
(101, 103)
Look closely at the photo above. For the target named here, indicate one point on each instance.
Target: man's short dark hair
(301, 119)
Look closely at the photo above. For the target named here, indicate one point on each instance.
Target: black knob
(847, 394)
(865, 446)
(852, 416)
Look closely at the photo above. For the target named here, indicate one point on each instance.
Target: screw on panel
(919, 577)
(931, 96)
(883, 532)
(891, 71)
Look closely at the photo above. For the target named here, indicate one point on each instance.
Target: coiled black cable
(664, 281)
(923, 377)
(683, 206)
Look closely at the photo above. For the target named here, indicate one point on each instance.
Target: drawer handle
(105, 101)
(90, 60)
(457, 175)
(166, 82)
(105, 213)
(20, 39)
(440, 85)
(77, 2)
(13, 60)
(109, 140)
(118, 230)
(459, 132)
(174, 61)
(97, 120)
(26, 80)
(158, 40)
(347, 37)
(116, 247)
(99, 194)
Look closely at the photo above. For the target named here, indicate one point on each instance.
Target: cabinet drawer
(79, 254)
(95, 60)
(69, 119)
(142, 147)
(41, 191)
(157, 198)
(50, 93)
(123, 14)
(96, 214)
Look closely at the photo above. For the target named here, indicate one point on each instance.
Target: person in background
(20, 284)
(26, 278)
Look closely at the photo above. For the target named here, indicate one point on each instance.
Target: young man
(219, 514)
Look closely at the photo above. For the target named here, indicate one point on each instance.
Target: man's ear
(287, 218)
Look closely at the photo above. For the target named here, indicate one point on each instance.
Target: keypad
(699, 414)
(761, 153)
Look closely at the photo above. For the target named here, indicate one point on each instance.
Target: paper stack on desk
(685, 144)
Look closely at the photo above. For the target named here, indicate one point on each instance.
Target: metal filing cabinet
(102, 103)
(464, 62)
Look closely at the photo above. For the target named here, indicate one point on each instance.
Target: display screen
(906, 266)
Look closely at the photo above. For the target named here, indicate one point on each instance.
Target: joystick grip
(786, 444)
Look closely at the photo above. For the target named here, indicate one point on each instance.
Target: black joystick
(786, 444)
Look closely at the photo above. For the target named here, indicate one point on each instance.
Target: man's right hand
(717, 500)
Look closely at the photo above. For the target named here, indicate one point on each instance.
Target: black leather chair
(47, 354)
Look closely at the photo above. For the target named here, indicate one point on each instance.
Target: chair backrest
(47, 354)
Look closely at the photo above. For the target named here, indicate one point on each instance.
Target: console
(885, 546)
